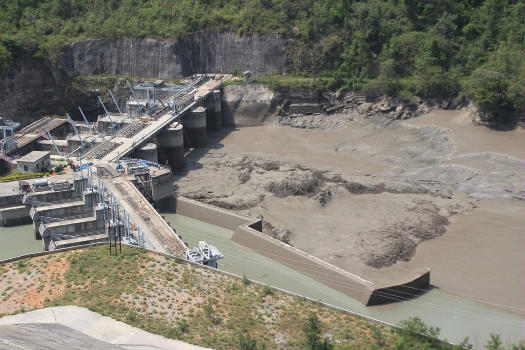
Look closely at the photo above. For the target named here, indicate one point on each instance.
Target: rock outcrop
(33, 87)
(218, 52)
(389, 107)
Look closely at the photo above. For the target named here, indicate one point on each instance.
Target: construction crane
(53, 140)
(75, 129)
(107, 115)
(139, 107)
(115, 101)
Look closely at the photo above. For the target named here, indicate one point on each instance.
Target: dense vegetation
(473, 48)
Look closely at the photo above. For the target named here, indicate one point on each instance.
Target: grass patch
(172, 298)
(280, 82)
(15, 176)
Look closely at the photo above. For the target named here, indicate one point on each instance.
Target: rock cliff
(218, 52)
(32, 87)
(247, 105)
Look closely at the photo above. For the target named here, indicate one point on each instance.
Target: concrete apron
(99, 327)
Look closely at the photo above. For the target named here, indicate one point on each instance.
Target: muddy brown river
(473, 177)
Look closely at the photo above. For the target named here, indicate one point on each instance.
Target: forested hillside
(473, 48)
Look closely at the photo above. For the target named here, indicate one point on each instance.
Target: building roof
(33, 156)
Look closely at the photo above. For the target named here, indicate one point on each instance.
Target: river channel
(457, 317)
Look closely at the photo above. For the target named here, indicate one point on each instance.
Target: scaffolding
(8, 128)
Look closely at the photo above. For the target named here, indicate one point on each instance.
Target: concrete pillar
(217, 109)
(45, 242)
(171, 143)
(195, 125)
(147, 152)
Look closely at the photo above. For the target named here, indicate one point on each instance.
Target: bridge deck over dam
(133, 136)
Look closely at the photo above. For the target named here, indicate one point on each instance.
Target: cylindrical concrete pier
(195, 125)
(147, 152)
(171, 143)
(217, 109)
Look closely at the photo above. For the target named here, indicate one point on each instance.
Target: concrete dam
(124, 164)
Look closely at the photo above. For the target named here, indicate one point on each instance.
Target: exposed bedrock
(218, 52)
(33, 87)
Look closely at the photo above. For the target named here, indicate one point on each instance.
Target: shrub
(312, 332)
(246, 342)
(59, 168)
(245, 280)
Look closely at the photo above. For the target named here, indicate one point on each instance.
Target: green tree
(494, 342)
(415, 334)
(387, 46)
(312, 332)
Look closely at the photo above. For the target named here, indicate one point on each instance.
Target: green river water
(18, 240)
(457, 317)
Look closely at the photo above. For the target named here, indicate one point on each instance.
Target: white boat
(205, 254)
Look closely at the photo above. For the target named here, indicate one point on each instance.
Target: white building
(34, 162)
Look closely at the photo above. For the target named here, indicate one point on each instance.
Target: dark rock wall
(214, 52)
(30, 88)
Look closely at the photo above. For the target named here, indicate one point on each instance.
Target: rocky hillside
(34, 85)
(219, 52)
(175, 299)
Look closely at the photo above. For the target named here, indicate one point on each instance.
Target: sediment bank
(366, 193)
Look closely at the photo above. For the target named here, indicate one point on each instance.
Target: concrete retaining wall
(12, 200)
(13, 216)
(208, 213)
(303, 263)
(247, 232)
(247, 105)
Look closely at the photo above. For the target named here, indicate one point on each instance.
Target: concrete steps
(80, 240)
(73, 227)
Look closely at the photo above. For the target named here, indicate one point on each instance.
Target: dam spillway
(120, 154)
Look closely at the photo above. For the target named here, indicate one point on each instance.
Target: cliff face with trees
(471, 48)
(217, 52)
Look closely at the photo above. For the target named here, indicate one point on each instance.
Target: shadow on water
(400, 294)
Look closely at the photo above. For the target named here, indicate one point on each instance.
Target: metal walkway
(158, 234)
(36, 130)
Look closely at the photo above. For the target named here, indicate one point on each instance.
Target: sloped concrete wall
(247, 105)
(247, 232)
